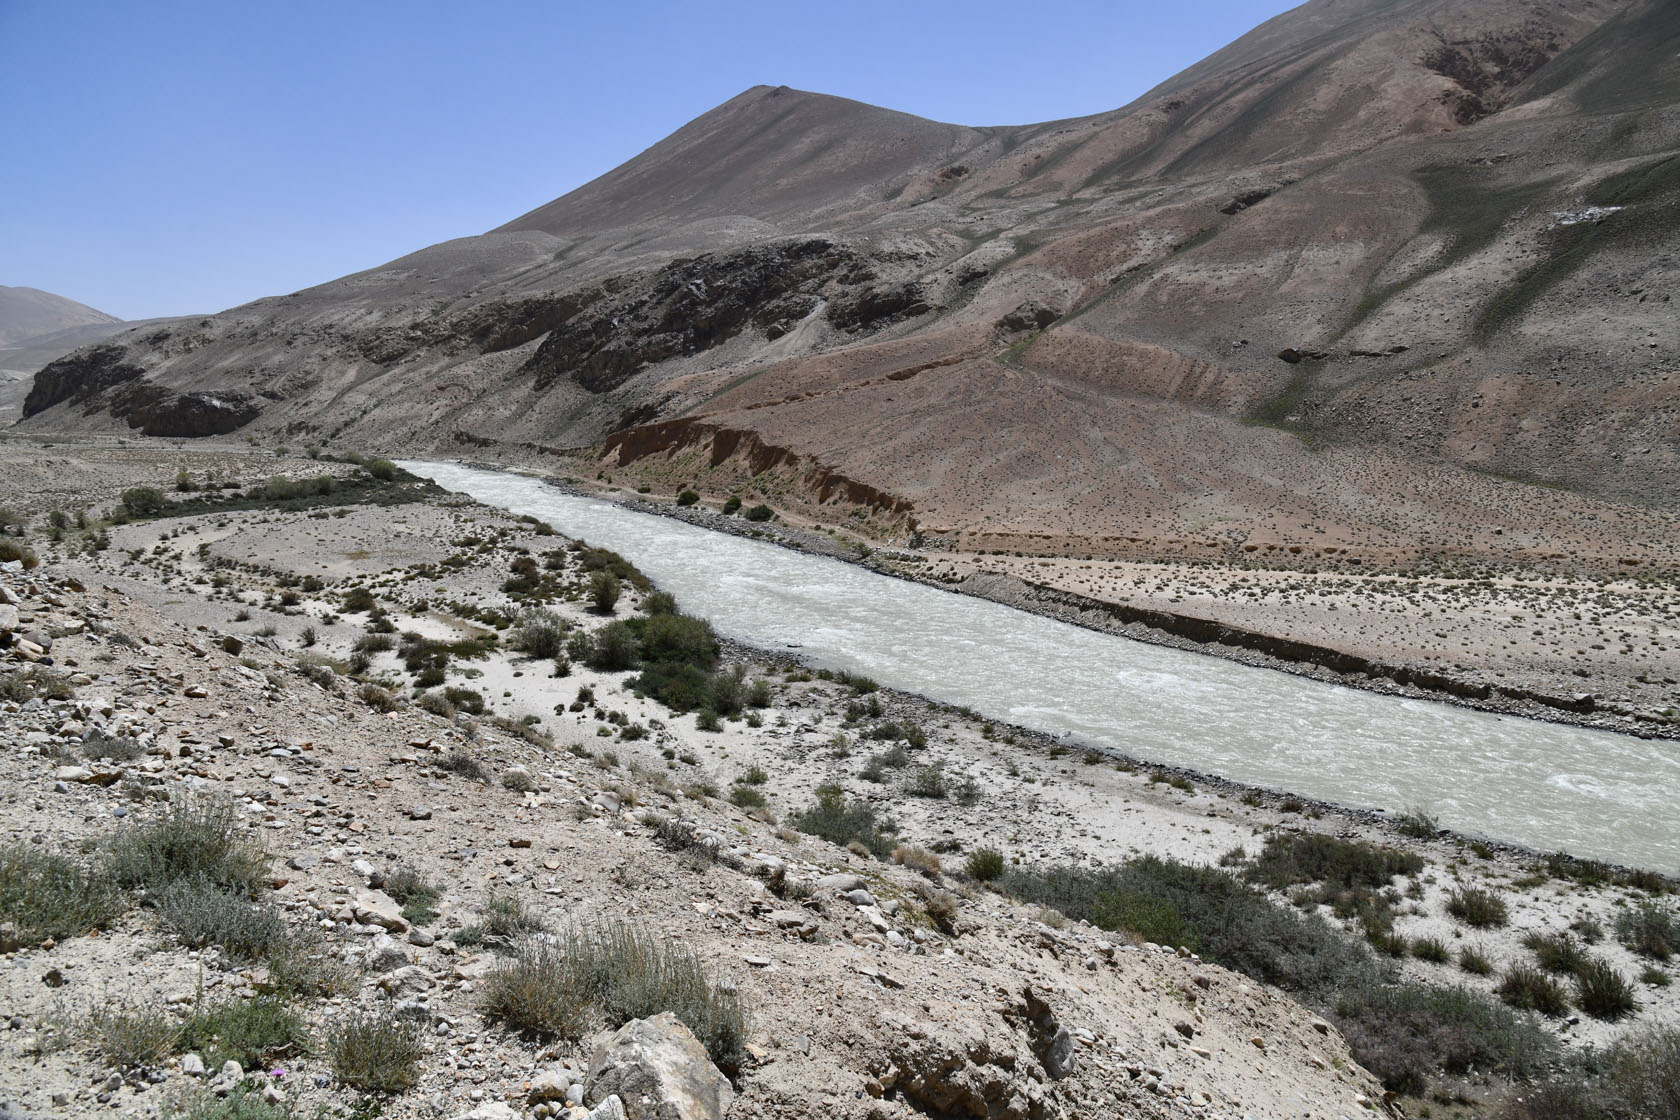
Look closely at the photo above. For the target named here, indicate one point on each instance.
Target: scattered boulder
(659, 1071)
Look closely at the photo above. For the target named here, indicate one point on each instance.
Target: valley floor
(220, 642)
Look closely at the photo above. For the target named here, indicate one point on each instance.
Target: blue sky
(164, 157)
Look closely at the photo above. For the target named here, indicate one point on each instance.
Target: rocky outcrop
(78, 376)
(157, 411)
(690, 306)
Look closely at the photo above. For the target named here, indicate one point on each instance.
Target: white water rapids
(1548, 786)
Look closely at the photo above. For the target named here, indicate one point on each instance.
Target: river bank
(1425, 678)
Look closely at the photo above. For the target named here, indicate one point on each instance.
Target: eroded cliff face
(1442, 232)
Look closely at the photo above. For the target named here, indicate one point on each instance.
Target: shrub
(135, 1038)
(759, 512)
(196, 837)
(519, 781)
(658, 602)
(540, 993)
(731, 504)
(1555, 952)
(604, 591)
(437, 704)
(615, 973)
(1474, 961)
(747, 797)
(1289, 858)
(687, 498)
(540, 633)
(1418, 824)
(1477, 907)
(1603, 992)
(357, 600)
(984, 864)
(377, 697)
(1404, 1033)
(1152, 919)
(48, 894)
(1234, 924)
(613, 649)
(35, 682)
(374, 1050)
(1644, 1068)
(467, 700)
(1431, 949)
(841, 822)
(632, 975)
(1649, 930)
(11, 550)
(252, 1032)
(413, 893)
(464, 765)
(142, 501)
(506, 921)
(1529, 989)
(382, 469)
(241, 1104)
(927, 781)
(917, 859)
(200, 914)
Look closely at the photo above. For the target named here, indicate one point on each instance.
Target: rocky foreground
(859, 1003)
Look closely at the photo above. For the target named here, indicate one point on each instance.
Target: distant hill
(36, 328)
(1365, 285)
(27, 313)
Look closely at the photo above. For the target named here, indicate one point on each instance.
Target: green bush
(196, 837)
(614, 972)
(926, 781)
(1474, 961)
(410, 890)
(759, 513)
(253, 1032)
(241, 1104)
(1405, 1033)
(731, 504)
(540, 993)
(839, 821)
(1309, 857)
(1528, 989)
(48, 894)
(540, 633)
(201, 913)
(747, 797)
(374, 1050)
(687, 498)
(1236, 925)
(132, 1038)
(604, 591)
(382, 469)
(1556, 952)
(1649, 930)
(1603, 992)
(464, 765)
(658, 602)
(1477, 907)
(613, 648)
(984, 864)
(1431, 949)
(11, 550)
(142, 501)
(1150, 918)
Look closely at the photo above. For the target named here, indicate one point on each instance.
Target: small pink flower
(277, 1072)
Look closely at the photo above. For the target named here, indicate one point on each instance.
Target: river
(1548, 786)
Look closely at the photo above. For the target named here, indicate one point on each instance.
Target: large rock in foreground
(659, 1070)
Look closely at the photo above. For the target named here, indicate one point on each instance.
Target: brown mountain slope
(1345, 281)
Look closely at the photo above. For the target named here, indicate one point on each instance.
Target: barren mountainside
(1348, 288)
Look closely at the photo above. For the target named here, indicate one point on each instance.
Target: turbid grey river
(1544, 785)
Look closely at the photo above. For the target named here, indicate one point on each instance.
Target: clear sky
(165, 157)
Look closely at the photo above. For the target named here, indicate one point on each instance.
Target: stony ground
(200, 639)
